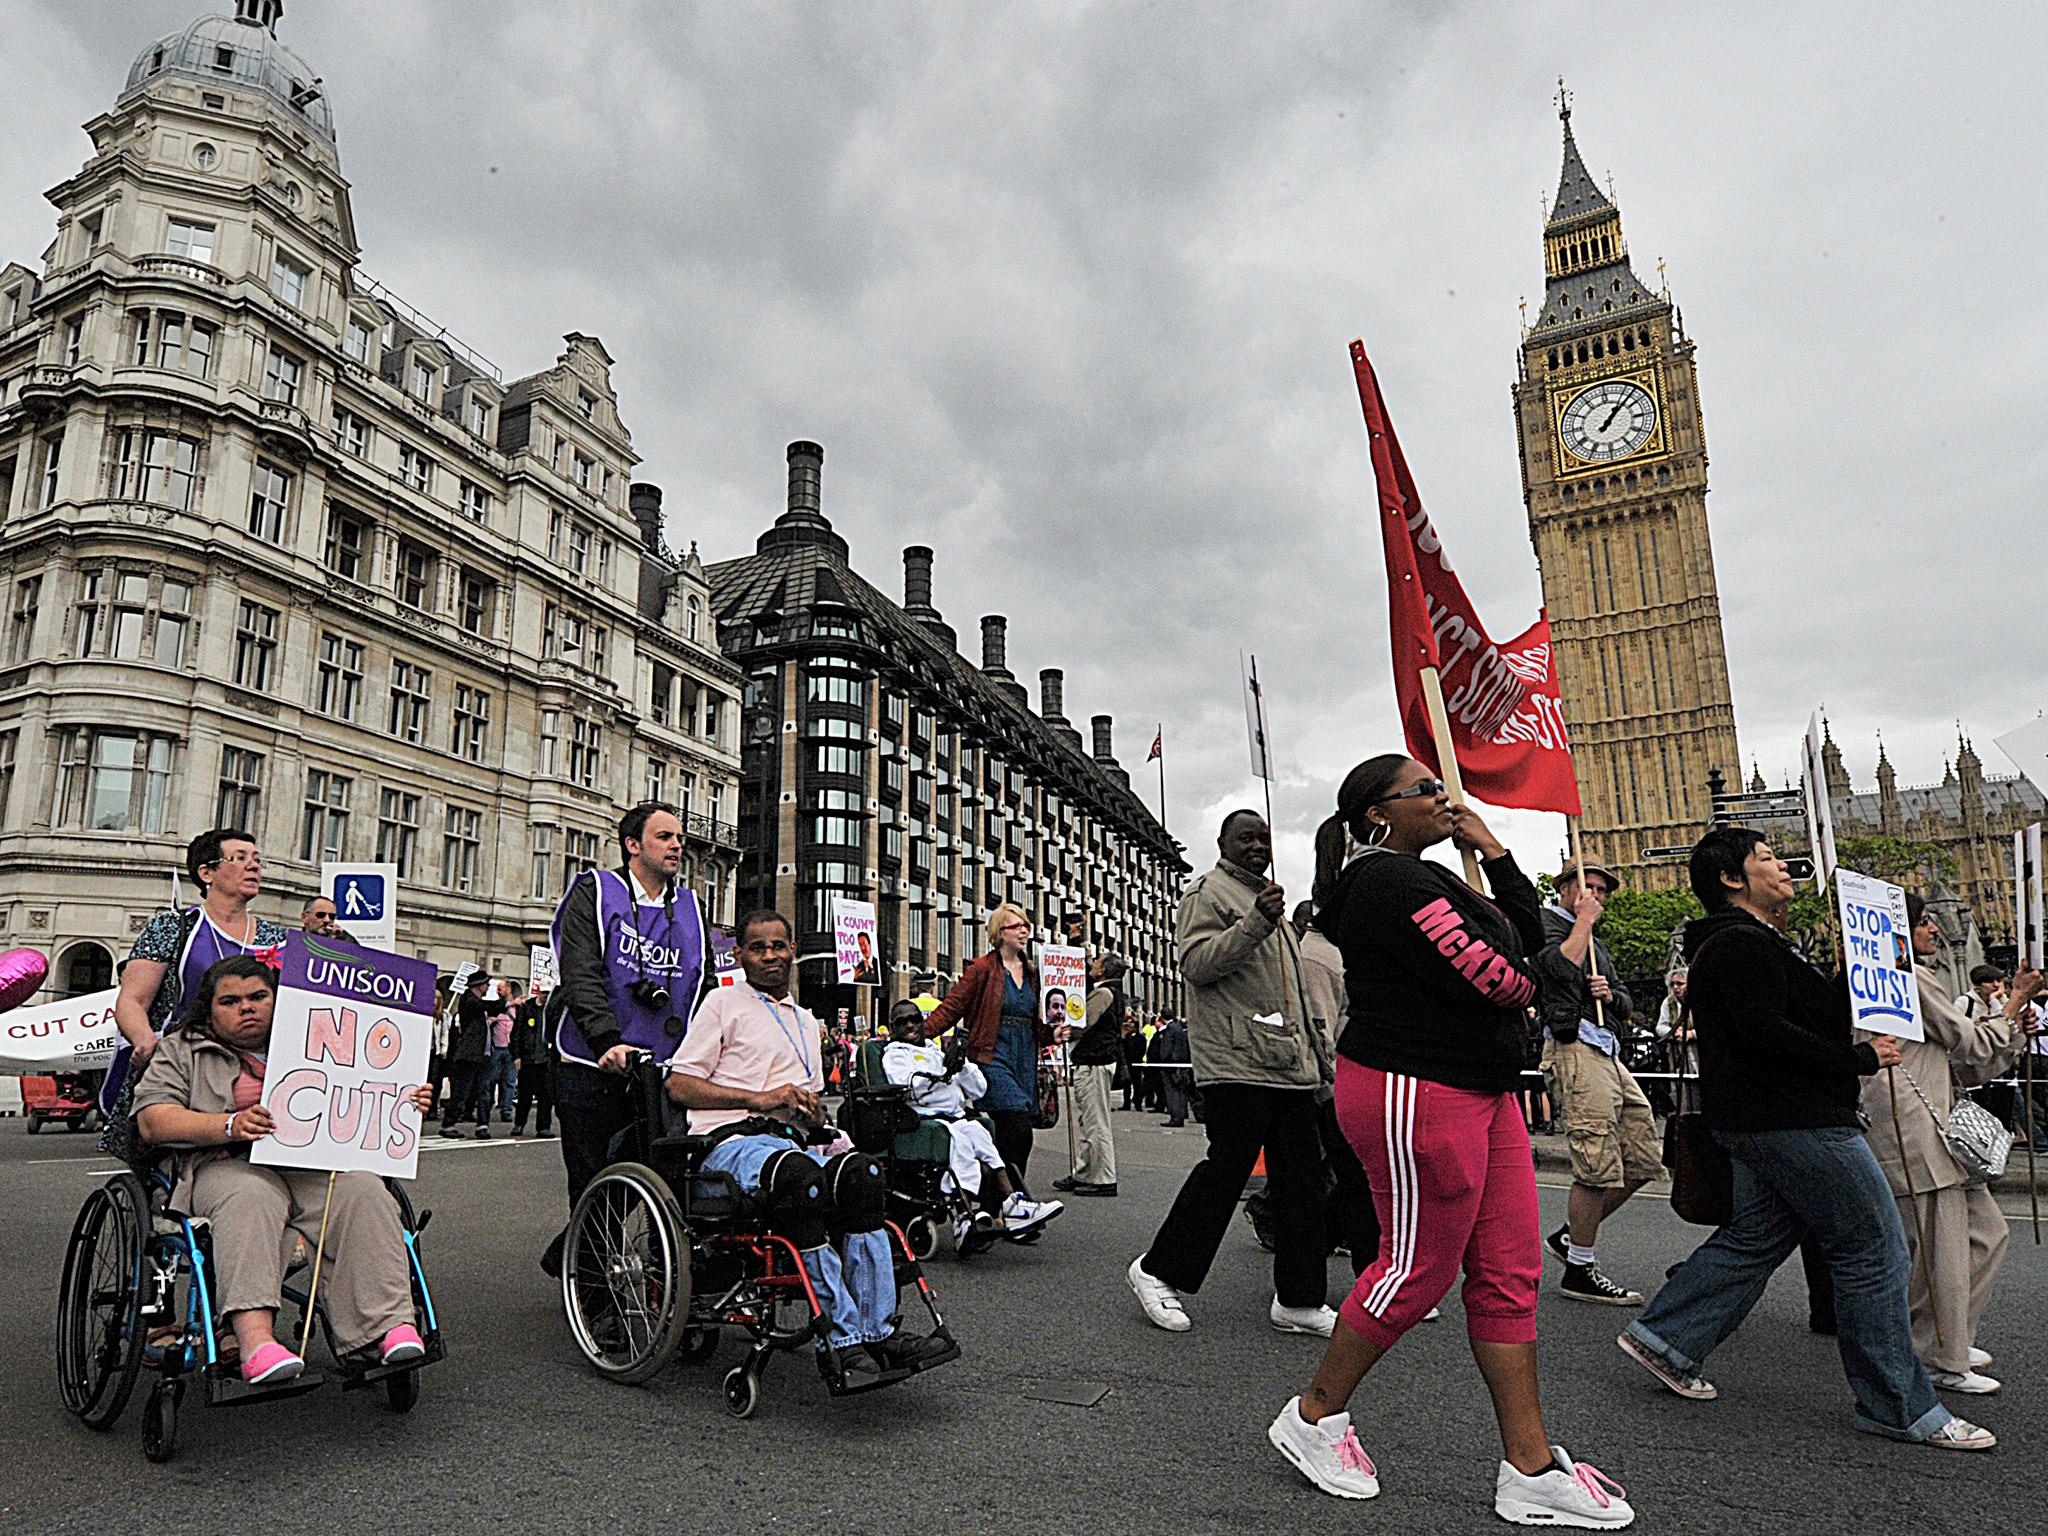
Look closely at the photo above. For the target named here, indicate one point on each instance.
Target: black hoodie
(1775, 1048)
(1439, 978)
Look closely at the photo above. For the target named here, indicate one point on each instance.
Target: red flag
(1507, 721)
(1158, 745)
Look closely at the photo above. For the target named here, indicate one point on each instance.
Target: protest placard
(1820, 815)
(1877, 952)
(348, 1041)
(1063, 984)
(542, 975)
(77, 1035)
(853, 937)
(2027, 746)
(2027, 903)
(365, 898)
(725, 957)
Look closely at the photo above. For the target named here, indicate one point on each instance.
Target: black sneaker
(913, 1349)
(1556, 1243)
(483, 1133)
(1093, 1189)
(452, 1130)
(1065, 1186)
(1585, 1282)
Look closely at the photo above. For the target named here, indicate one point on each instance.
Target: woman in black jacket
(1439, 981)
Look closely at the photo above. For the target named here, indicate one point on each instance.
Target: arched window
(87, 968)
(693, 618)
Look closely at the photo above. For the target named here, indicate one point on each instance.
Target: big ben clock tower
(1614, 473)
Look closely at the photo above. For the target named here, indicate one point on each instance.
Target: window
(712, 706)
(21, 622)
(600, 644)
(476, 502)
(586, 743)
(564, 636)
(582, 472)
(241, 788)
(579, 550)
(543, 862)
(113, 781)
(131, 606)
(355, 342)
(288, 279)
(398, 829)
(586, 402)
(416, 469)
(270, 497)
(478, 593)
(480, 417)
(323, 830)
(583, 853)
(686, 793)
(840, 830)
(657, 781)
(557, 529)
(693, 615)
(420, 380)
(351, 432)
(550, 741)
(662, 703)
(460, 839)
(7, 745)
(338, 684)
(53, 457)
(281, 375)
(91, 230)
(255, 649)
(415, 579)
(469, 738)
(832, 686)
(74, 340)
(156, 467)
(173, 623)
(604, 563)
(831, 759)
(182, 345)
(190, 240)
(348, 544)
(409, 690)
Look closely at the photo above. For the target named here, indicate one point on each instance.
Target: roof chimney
(917, 582)
(803, 523)
(1052, 695)
(1101, 725)
(645, 501)
(995, 645)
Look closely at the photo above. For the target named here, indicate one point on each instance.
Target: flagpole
(1264, 741)
(1447, 761)
(1159, 739)
(1571, 835)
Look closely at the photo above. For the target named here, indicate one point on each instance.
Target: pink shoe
(401, 1344)
(272, 1363)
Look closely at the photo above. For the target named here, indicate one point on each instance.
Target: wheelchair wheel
(922, 1233)
(402, 1391)
(99, 1302)
(160, 1421)
(626, 1272)
(742, 1392)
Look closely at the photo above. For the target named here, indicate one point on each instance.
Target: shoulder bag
(1975, 1139)
(1702, 1176)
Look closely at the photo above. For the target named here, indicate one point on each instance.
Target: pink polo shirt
(741, 1039)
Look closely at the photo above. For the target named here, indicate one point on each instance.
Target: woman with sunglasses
(1439, 981)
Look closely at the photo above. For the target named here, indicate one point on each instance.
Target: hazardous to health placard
(348, 1042)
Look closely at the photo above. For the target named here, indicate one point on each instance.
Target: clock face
(1609, 421)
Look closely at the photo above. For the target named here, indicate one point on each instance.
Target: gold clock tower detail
(1614, 473)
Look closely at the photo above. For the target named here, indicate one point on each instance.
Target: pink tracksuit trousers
(1455, 1186)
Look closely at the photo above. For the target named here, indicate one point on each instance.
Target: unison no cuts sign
(348, 1041)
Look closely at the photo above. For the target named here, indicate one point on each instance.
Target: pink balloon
(22, 974)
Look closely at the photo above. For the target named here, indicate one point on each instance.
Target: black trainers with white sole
(1585, 1282)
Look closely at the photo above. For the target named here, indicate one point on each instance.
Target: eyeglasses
(1423, 790)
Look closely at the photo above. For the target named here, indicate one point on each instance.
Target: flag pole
(1265, 746)
(1447, 761)
(1159, 739)
(1571, 834)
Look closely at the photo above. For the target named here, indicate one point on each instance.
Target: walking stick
(319, 1249)
(1922, 1259)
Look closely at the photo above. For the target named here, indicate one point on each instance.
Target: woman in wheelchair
(750, 1073)
(943, 1086)
(200, 1101)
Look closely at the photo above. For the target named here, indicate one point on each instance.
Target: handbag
(1702, 1174)
(1975, 1139)
(1045, 1114)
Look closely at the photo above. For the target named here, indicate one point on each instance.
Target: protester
(201, 1094)
(1779, 1089)
(750, 1072)
(632, 952)
(1255, 1056)
(1437, 978)
(317, 918)
(1170, 1054)
(1095, 1056)
(174, 949)
(1955, 1231)
(533, 1046)
(1984, 999)
(501, 1067)
(997, 998)
(1610, 1133)
(468, 1052)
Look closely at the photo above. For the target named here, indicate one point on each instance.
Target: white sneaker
(1570, 1493)
(1328, 1453)
(1433, 1315)
(963, 1229)
(1979, 1358)
(1318, 1319)
(1962, 1435)
(1160, 1300)
(1022, 1215)
(1972, 1382)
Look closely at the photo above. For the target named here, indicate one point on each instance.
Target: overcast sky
(1065, 291)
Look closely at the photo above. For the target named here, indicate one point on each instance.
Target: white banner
(1257, 731)
(542, 974)
(1063, 985)
(2027, 901)
(73, 1036)
(2028, 749)
(365, 898)
(1820, 816)
(1877, 952)
(853, 940)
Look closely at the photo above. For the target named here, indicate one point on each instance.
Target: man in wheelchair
(943, 1086)
(200, 1100)
(750, 1072)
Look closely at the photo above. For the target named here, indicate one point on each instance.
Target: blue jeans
(501, 1076)
(1788, 1183)
(856, 1282)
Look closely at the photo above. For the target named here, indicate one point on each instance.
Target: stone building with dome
(279, 552)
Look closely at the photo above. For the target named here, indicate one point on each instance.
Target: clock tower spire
(1614, 476)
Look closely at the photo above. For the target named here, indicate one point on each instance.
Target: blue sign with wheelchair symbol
(360, 897)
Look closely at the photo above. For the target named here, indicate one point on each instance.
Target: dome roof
(242, 53)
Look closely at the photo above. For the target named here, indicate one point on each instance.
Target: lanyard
(795, 1038)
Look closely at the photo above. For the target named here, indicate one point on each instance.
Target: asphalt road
(514, 1433)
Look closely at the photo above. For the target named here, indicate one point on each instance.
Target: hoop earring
(1382, 830)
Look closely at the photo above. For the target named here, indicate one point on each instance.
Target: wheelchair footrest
(230, 1391)
(354, 1379)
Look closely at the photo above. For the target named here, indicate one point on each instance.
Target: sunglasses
(1422, 790)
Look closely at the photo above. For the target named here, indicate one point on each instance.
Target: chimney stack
(645, 500)
(917, 582)
(995, 645)
(1102, 725)
(806, 469)
(1052, 695)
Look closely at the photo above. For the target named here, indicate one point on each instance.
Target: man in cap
(1609, 1129)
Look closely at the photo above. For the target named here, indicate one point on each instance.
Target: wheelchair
(662, 1257)
(880, 1118)
(136, 1296)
